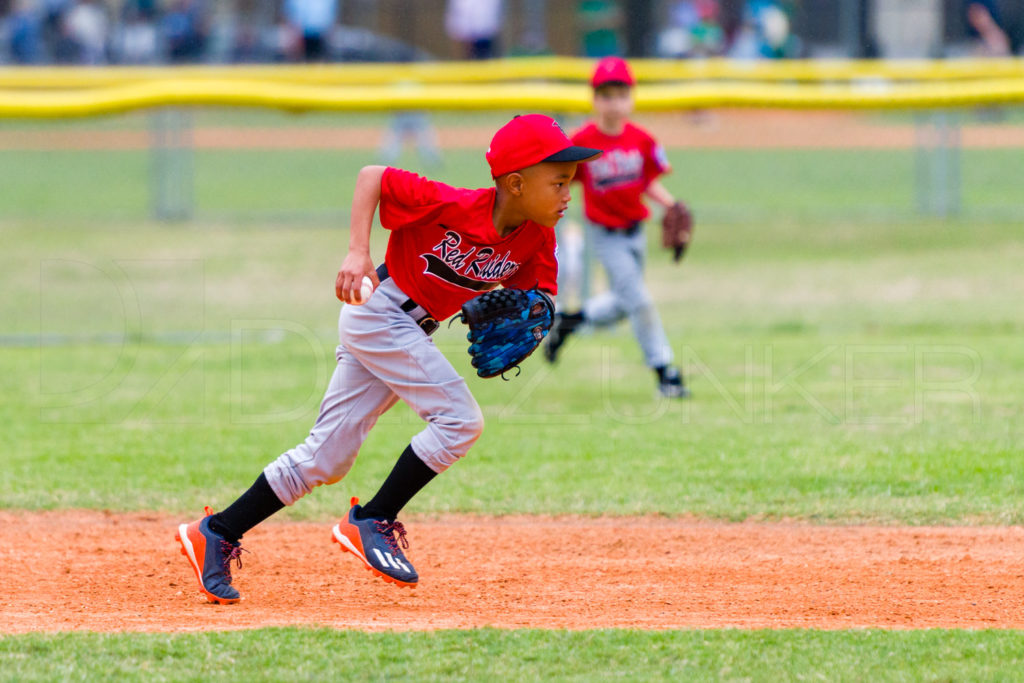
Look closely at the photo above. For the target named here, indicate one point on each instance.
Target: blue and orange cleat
(378, 543)
(210, 555)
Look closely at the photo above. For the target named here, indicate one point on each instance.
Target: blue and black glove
(505, 327)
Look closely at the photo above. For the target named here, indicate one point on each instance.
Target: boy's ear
(513, 183)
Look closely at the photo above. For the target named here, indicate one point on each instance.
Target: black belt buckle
(429, 325)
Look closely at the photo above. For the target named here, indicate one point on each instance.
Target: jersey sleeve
(655, 162)
(406, 197)
(541, 270)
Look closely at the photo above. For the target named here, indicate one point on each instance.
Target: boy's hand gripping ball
(365, 290)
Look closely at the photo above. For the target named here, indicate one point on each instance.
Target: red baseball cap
(612, 70)
(530, 139)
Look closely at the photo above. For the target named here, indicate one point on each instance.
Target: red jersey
(613, 185)
(444, 249)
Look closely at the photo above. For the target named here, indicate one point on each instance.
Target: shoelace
(388, 531)
(231, 552)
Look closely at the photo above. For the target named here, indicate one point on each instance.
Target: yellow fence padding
(571, 69)
(554, 84)
(866, 95)
(238, 93)
(517, 97)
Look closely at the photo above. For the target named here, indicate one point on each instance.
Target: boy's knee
(637, 302)
(462, 431)
(475, 425)
(448, 438)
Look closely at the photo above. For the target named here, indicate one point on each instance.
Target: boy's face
(613, 103)
(545, 191)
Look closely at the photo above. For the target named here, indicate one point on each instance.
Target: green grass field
(850, 363)
(726, 185)
(488, 655)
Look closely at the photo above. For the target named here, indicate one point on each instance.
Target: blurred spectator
(55, 46)
(282, 40)
(135, 38)
(694, 30)
(312, 21)
(765, 32)
(25, 31)
(476, 25)
(184, 29)
(247, 34)
(991, 41)
(982, 17)
(87, 30)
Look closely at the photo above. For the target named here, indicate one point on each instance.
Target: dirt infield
(702, 130)
(105, 572)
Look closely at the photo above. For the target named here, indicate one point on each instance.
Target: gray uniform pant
(383, 356)
(622, 256)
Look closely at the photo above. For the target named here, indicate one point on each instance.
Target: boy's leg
(405, 359)
(614, 252)
(409, 475)
(629, 284)
(622, 256)
(650, 333)
(352, 403)
(399, 354)
(251, 508)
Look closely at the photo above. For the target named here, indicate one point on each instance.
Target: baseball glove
(505, 327)
(677, 229)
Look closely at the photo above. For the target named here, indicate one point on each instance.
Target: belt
(628, 231)
(419, 314)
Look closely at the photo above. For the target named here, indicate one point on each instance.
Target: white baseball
(365, 290)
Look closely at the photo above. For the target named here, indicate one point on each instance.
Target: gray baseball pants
(622, 256)
(383, 356)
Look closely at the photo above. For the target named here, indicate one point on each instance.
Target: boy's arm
(358, 261)
(660, 194)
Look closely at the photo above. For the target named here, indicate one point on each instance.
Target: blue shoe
(378, 543)
(210, 555)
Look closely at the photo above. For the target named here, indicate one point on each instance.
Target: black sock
(408, 476)
(251, 508)
(661, 372)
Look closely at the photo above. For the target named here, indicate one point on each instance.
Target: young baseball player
(446, 246)
(613, 190)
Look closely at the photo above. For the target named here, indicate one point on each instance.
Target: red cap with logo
(612, 70)
(530, 139)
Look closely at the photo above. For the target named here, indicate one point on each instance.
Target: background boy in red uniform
(447, 245)
(613, 190)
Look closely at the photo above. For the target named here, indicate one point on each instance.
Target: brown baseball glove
(677, 229)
